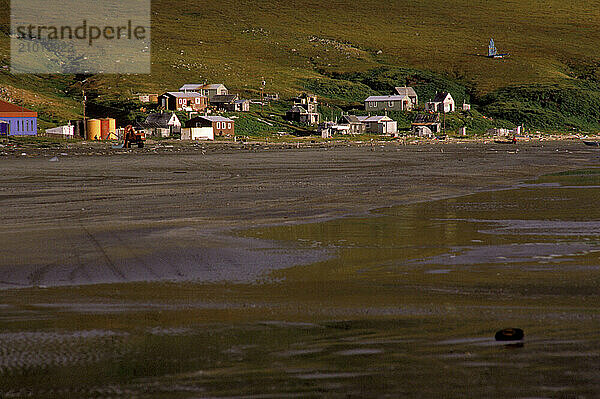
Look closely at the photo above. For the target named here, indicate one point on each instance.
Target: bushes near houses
(338, 89)
(383, 81)
(573, 104)
(250, 125)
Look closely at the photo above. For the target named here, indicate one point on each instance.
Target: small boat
(592, 143)
(513, 141)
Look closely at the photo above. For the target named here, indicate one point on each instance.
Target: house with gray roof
(304, 110)
(161, 124)
(222, 101)
(191, 87)
(355, 126)
(410, 93)
(230, 102)
(388, 103)
(427, 125)
(380, 124)
(208, 90)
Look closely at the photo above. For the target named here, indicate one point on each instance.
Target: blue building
(16, 120)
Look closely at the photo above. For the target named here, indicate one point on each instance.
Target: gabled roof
(160, 119)
(214, 86)
(350, 119)
(224, 98)
(387, 98)
(9, 110)
(298, 109)
(427, 119)
(406, 91)
(190, 86)
(378, 119)
(180, 94)
(206, 120)
(197, 86)
(441, 97)
(151, 125)
(215, 118)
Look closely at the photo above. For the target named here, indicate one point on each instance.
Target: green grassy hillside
(338, 49)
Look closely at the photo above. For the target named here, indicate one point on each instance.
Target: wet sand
(100, 215)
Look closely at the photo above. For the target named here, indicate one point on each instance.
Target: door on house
(4, 129)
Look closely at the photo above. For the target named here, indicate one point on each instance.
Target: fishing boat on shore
(511, 141)
(592, 143)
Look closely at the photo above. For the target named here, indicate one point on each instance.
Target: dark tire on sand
(510, 334)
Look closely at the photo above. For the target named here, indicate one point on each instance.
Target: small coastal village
(210, 111)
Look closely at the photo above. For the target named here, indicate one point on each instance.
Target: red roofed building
(16, 120)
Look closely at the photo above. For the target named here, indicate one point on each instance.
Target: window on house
(218, 125)
(229, 126)
(390, 103)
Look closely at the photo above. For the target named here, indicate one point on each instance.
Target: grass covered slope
(333, 48)
(240, 41)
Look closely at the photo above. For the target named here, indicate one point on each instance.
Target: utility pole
(263, 83)
(84, 124)
(444, 125)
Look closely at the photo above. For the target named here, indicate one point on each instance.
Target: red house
(180, 101)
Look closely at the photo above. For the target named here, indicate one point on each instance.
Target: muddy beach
(61, 218)
(230, 270)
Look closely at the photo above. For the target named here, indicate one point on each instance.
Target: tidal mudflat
(400, 301)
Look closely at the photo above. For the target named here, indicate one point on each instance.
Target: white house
(67, 131)
(443, 102)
